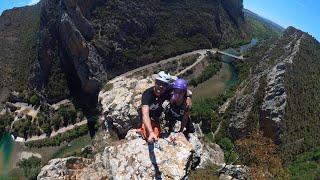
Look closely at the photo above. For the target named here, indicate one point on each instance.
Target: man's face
(160, 87)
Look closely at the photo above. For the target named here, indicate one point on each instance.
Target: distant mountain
(267, 21)
(261, 27)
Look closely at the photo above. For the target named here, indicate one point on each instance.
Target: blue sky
(9, 4)
(302, 14)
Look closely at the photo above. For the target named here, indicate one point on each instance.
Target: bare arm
(184, 120)
(147, 123)
(146, 118)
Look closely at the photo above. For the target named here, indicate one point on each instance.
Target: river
(227, 75)
(216, 84)
(6, 146)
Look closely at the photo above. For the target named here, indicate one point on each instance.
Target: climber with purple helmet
(178, 110)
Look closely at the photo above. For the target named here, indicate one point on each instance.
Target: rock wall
(133, 158)
(273, 64)
(65, 35)
(120, 104)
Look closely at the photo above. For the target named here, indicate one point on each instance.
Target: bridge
(228, 54)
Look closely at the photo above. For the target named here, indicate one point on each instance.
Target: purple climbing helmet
(180, 84)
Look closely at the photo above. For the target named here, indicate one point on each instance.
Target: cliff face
(67, 59)
(278, 96)
(77, 43)
(234, 8)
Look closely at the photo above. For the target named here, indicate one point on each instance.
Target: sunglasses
(178, 91)
(160, 83)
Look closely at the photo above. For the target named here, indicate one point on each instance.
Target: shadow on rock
(153, 160)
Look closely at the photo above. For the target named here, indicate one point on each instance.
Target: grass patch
(73, 147)
(107, 87)
(205, 173)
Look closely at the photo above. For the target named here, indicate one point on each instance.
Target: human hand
(152, 137)
(189, 103)
(180, 134)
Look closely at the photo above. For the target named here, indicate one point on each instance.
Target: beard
(157, 90)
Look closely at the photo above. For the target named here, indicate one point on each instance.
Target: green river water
(226, 77)
(6, 146)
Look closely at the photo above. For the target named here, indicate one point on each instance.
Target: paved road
(129, 73)
(200, 58)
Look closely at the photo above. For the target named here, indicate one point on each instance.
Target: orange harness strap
(156, 129)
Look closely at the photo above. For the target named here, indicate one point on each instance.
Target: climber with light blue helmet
(151, 106)
(178, 109)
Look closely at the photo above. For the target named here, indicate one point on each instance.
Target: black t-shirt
(178, 111)
(154, 102)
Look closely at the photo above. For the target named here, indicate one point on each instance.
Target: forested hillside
(301, 125)
(18, 48)
(131, 33)
(261, 28)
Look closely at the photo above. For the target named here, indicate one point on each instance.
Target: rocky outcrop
(79, 20)
(85, 62)
(211, 154)
(120, 104)
(131, 158)
(273, 107)
(73, 168)
(65, 49)
(244, 100)
(272, 65)
(234, 172)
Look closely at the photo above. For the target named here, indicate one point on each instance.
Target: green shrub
(306, 165)
(68, 114)
(34, 100)
(207, 172)
(31, 167)
(5, 122)
(226, 144)
(46, 129)
(23, 127)
(58, 139)
(205, 111)
(228, 147)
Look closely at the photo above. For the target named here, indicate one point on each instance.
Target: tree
(34, 100)
(5, 121)
(259, 153)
